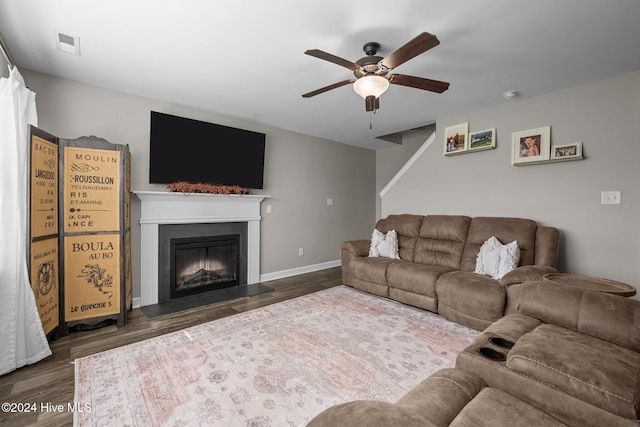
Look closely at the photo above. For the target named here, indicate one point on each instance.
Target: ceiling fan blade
(420, 44)
(332, 58)
(419, 83)
(327, 88)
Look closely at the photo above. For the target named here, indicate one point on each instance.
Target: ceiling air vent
(66, 43)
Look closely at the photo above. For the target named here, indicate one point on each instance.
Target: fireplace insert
(201, 264)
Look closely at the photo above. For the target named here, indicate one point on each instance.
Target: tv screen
(190, 150)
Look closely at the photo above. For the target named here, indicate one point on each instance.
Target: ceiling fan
(372, 72)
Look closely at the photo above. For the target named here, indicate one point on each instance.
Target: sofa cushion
(415, 277)
(605, 316)
(479, 298)
(593, 370)
(372, 269)
(505, 230)
(441, 240)
(408, 227)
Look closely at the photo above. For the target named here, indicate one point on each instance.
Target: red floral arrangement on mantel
(187, 187)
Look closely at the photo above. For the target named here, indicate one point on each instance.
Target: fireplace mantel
(162, 207)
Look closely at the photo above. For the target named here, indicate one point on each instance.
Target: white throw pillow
(384, 245)
(488, 258)
(509, 258)
(496, 259)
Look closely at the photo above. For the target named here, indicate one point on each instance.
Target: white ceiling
(245, 58)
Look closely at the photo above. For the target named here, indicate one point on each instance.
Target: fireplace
(162, 209)
(195, 258)
(201, 264)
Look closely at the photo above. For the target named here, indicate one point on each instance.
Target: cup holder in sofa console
(501, 342)
(492, 354)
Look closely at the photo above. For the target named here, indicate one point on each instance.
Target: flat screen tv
(190, 150)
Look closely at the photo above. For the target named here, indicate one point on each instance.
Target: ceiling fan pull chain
(370, 120)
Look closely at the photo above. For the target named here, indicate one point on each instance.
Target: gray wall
(599, 240)
(301, 171)
(390, 160)
(4, 71)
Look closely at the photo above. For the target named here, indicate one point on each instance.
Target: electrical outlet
(611, 198)
(300, 251)
(329, 201)
(268, 208)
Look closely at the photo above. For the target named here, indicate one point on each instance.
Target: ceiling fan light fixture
(371, 85)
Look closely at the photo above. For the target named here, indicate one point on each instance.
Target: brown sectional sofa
(548, 354)
(566, 356)
(437, 262)
(575, 354)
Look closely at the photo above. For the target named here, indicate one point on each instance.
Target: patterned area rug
(278, 365)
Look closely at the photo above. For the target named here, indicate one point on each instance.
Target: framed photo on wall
(560, 153)
(455, 139)
(482, 140)
(531, 146)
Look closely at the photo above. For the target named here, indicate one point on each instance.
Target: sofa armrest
(609, 317)
(368, 413)
(435, 402)
(442, 396)
(356, 248)
(349, 250)
(526, 273)
(547, 244)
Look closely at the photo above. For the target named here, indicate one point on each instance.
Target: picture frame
(567, 152)
(531, 146)
(456, 139)
(482, 140)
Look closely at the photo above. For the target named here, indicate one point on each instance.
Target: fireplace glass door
(200, 264)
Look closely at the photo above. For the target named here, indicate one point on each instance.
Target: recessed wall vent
(67, 43)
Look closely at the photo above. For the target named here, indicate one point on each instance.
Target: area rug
(278, 365)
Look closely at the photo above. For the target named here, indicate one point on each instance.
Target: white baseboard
(299, 270)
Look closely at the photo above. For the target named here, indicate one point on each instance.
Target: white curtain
(22, 340)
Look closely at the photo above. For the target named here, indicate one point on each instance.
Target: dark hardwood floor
(51, 381)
